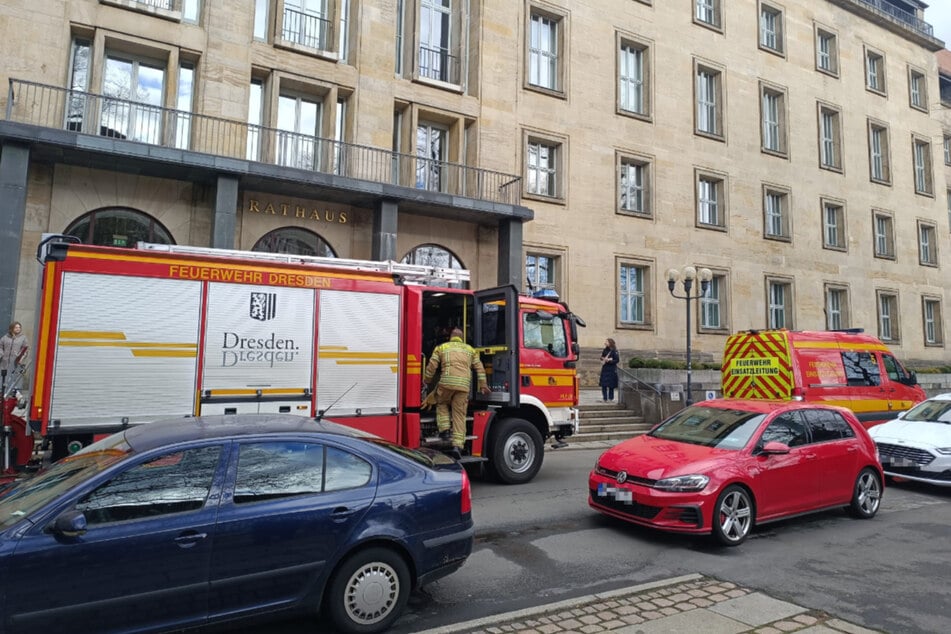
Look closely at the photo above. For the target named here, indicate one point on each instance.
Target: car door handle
(810, 456)
(188, 540)
(851, 449)
(341, 513)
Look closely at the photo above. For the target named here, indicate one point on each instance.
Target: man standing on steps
(457, 359)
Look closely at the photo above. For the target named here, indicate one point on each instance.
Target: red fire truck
(127, 336)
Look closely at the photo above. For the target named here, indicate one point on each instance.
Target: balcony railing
(439, 64)
(101, 115)
(905, 17)
(305, 29)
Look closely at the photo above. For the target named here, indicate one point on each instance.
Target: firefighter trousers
(458, 402)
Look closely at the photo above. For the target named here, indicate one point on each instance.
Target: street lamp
(689, 274)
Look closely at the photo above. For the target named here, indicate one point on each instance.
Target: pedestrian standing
(609, 378)
(13, 349)
(457, 360)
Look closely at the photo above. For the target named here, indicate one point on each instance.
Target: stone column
(385, 220)
(14, 170)
(226, 210)
(511, 261)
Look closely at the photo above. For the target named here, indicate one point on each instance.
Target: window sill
(884, 256)
(716, 28)
(436, 83)
(632, 114)
(930, 265)
(775, 238)
(722, 331)
(925, 194)
(782, 154)
(831, 168)
(923, 109)
(934, 344)
(703, 225)
(555, 200)
(643, 215)
(835, 247)
(773, 51)
(330, 56)
(876, 91)
(551, 92)
(139, 7)
(713, 136)
(879, 181)
(831, 73)
(622, 325)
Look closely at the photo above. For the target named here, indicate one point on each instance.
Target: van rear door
(757, 365)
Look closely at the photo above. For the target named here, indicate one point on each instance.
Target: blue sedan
(192, 521)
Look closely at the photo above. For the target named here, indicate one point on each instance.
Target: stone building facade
(796, 149)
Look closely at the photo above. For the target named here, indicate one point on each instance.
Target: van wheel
(733, 516)
(369, 591)
(517, 451)
(866, 495)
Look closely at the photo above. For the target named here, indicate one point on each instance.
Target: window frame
(889, 236)
(784, 196)
(646, 266)
(646, 163)
(767, 89)
(946, 147)
(786, 283)
(720, 281)
(556, 145)
(878, 58)
(840, 291)
(559, 18)
(820, 30)
(721, 185)
(888, 298)
(917, 89)
(927, 243)
(923, 173)
(625, 40)
(932, 325)
(558, 258)
(717, 11)
(874, 127)
(841, 243)
(779, 33)
(838, 164)
(717, 101)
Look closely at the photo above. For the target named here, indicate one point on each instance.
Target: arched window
(294, 241)
(118, 227)
(435, 255)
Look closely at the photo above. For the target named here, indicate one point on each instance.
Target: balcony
(439, 65)
(91, 114)
(895, 19)
(306, 29)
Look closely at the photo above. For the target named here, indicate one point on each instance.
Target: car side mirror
(774, 447)
(70, 524)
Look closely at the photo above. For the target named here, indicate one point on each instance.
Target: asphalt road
(539, 543)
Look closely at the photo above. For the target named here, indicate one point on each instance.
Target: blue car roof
(174, 430)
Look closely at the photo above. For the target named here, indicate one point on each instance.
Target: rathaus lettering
(288, 210)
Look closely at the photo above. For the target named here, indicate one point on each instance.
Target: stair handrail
(626, 376)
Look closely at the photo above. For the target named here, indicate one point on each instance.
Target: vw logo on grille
(621, 477)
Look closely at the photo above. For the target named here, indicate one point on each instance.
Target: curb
(527, 613)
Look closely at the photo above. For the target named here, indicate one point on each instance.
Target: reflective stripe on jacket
(457, 360)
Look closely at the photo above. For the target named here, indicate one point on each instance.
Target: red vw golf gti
(722, 466)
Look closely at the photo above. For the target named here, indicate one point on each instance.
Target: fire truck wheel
(517, 451)
(368, 591)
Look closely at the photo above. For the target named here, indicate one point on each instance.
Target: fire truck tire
(368, 591)
(517, 451)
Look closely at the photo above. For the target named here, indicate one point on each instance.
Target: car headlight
(945, 451)
(683, 483)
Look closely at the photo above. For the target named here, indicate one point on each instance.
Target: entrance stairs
(601, 421)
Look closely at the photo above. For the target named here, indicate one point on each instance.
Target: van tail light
(797, 394)
(466, 494)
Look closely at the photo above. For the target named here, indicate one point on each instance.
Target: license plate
(619, 494)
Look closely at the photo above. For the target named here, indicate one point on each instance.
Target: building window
(541, 271)
(827, 52)
(879, 163)
(298, 124)
(294, 241)
(709, 99)
(713, 305)
(927, 244)
(949, 207)
(773, 113)
(917, 90)
(432, 146)
(771, 33)
(118, 227)
(261, 19)
(436, 256)
(708, 12)
(921, 150)
(633, 282)
(442, 40)
(947, 149)
(634, 186)
(711, 201)
(542, 168)
(931, 315)
(779, 303)
(875, 71)
(830, 139)
(307, 23)
(884, 235)
(776, 213)
(837, 307)
(889, 328)
(544, 51)
(833, 225)
(633, 86)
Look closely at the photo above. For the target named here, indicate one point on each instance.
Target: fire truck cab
(128, 336)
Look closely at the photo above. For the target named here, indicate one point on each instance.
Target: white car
(917, 444)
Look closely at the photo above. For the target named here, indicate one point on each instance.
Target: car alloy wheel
(369, 591)
(867, 494)
(733, 516)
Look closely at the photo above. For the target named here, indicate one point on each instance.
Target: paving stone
(650, 615)
(613, 624)
(591, 629)
(607, 615)
(679, 597)
(670, 610)
(633, 619)
(569, 624)
(692, 622)
(851, 628)
(806, 619)
(716, 598)
(701, 603)
(757, 609)
(624, 610)
(664, 603)
(787, 626)
(769, 629)
(589, 619)
(646, 605)
(736, 593)
(549, 628)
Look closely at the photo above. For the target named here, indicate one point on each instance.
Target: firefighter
(457, 360)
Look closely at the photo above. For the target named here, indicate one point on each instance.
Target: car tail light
(466, 494)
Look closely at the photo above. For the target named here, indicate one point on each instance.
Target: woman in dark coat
(609, 361)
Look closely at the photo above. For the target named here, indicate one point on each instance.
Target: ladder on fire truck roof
(410, 273)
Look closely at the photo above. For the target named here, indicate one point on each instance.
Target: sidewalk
(692, 604)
